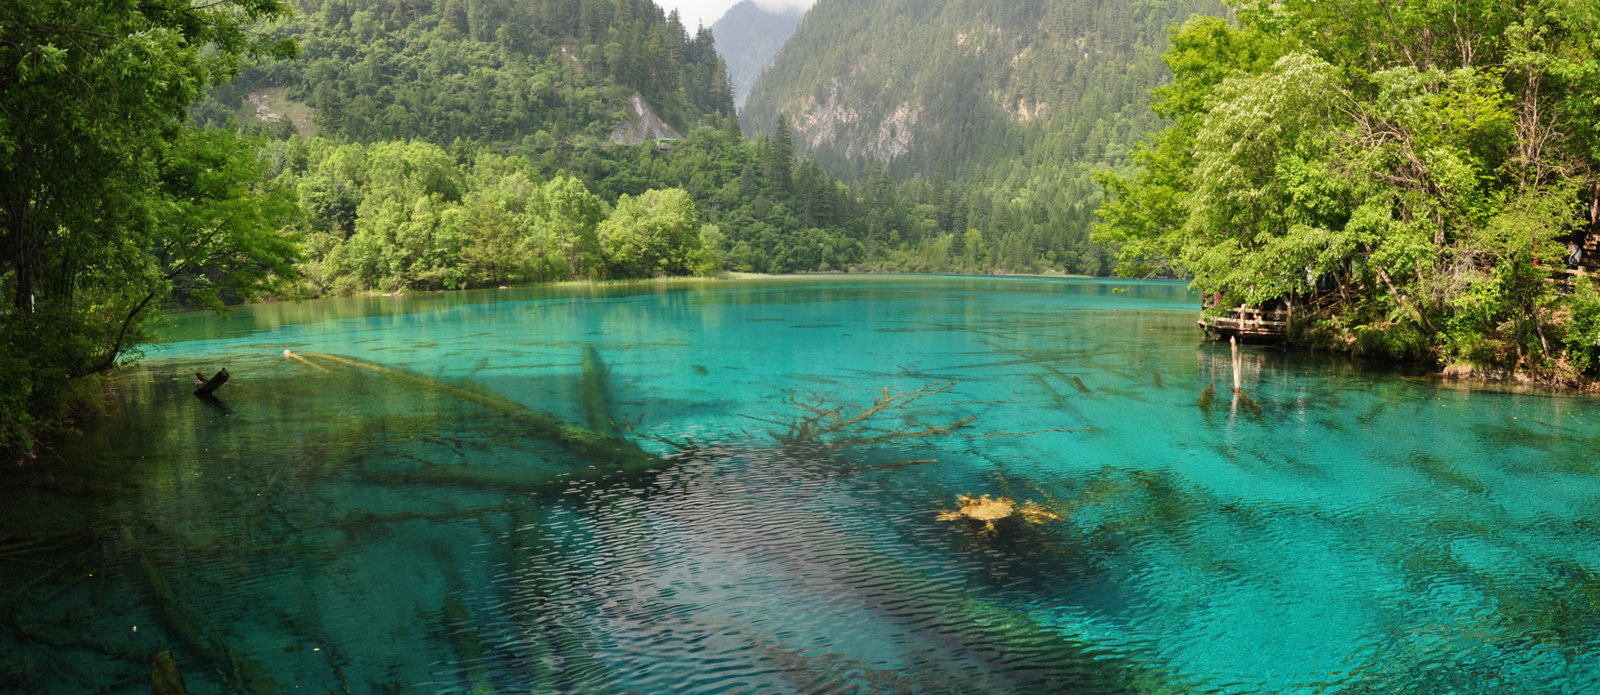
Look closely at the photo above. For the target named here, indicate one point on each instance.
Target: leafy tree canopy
(105, 201)
(487, 71)
(1435, 155)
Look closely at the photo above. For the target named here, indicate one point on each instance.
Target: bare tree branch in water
(826, 426)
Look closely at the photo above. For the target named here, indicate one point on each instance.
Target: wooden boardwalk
(1249, 324)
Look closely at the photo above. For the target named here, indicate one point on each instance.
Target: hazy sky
(707, 12)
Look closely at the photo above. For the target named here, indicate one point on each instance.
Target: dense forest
(180, 156)
(1011, 105)
(1438, 161)
(494, 71)
(394, 216)
(388, 73)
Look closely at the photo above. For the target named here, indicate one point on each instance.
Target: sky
(707, 12)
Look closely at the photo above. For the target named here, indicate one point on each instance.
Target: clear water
(390, 511)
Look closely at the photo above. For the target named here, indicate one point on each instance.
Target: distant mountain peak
(750, 33)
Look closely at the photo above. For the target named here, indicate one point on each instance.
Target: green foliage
(1007, 109)
(778, 213)
(1581, 337)
(218, 233)
(105, 202)
(491, 71)
(655, 234)
(425, 219)
(1431, 155)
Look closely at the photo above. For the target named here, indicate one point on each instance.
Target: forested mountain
(441, 126)
(1015, 102)
(495, 71)
(569, 85)
(748, 36)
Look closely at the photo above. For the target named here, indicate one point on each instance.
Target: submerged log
(478, 478)
(559, 652)
(617, 454)
(953, 636)
(360, 519)
(247, 675)
(165, 676)
(69, 484)
(471, 653)
(49, 577)
(1248, 403)
(290, 354)
(212, 383)
(596, 409)
(830, 427)
(47, 542)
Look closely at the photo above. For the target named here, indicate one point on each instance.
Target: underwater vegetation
(417, 518)
(553, 499)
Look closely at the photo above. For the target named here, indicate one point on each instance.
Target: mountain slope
(1018, 101)
(495, 71)
(748, 36)
(919, 84)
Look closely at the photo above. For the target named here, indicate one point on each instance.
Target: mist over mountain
(748, 36)
(785, 6)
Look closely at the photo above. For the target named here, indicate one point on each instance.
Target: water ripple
(367, 531)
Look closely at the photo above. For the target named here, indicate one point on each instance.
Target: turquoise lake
(616, 489)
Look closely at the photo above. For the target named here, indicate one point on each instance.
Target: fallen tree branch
(829, 427)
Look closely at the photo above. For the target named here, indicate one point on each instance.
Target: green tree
(654, 234)
(566, 232)
(91, 96)
(1430, 154)
(780, 158)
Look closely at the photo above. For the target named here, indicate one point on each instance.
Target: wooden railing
(1248, 323)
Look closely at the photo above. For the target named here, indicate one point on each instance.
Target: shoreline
(679, 280)
(1466, 377)
(1463, 377)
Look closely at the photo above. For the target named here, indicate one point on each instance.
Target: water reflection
(550, 493)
